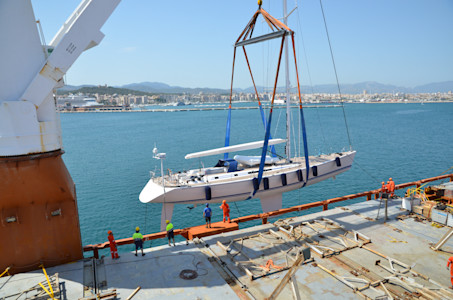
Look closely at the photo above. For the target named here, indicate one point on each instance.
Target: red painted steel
(38, 209)
(203, 231)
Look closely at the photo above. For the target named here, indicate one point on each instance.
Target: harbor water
(109, 156)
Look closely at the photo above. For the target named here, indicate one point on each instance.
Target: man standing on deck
(138, 240)
(226, 211)
(170, 233)
(383, 190)
(112, 244)
(207, 215)
(450, 267)
(391, 187)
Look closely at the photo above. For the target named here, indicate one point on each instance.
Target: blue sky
(190, 43)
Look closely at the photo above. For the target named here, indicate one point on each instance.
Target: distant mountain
(441, 87)
(104, 90)
(72, 87)
(370, 86)
(159, 87)
(357, 88)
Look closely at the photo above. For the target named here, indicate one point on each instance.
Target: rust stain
(32, 199)
(41, 137)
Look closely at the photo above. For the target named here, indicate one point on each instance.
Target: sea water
(109, 156)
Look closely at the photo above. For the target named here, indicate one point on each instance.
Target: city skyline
(405, 43)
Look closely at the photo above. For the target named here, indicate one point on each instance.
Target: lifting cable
(336, 75)
(146, 215)
(263, 118)
(237, 208)
(365, 171)
(324, 141)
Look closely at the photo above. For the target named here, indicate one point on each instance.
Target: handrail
(264, 216)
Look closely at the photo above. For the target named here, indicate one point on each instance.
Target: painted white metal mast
(287, 84)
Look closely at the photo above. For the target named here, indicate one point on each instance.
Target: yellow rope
(48, 282)
(51, 295)
(6, 271)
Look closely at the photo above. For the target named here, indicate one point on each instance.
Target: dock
(348, 252)
(95, 109)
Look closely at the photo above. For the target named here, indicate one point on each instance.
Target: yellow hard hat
(224, 201)
(167, 221)
(390, 178)
(137, 228)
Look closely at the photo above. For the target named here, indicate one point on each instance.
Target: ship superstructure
(39, 218)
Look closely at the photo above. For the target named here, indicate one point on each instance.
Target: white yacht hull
(241, 188)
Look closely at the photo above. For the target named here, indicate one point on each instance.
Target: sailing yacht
(240, 178)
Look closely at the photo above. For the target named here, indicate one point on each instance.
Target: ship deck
(231, 265)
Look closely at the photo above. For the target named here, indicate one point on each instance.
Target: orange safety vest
(111, 240)
(225, 207)
(450, 262)
(391, 186)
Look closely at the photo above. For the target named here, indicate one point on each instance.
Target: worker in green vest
(170, 233)
(138, 240)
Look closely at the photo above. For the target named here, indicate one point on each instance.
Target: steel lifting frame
(265, 238)
(349, 281)
(357, 240)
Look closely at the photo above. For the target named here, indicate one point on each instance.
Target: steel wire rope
(294, 140)
(365, 171)
(239, 213)
(278, 122)
(146, 215)
(146, 222)
(336, 75)
(321, 127)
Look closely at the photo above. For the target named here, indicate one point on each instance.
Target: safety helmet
(383, 182)
(390, 178)
(109, 232)
(207, 204)
(224, 201)
(137, 228)
(167, 221)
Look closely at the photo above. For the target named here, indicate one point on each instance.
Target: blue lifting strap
(304, 136)
(274, 154)
(263, 154)
(227, 136)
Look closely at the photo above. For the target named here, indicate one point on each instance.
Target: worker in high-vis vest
(383, 190)
(112, 244)
(226, 211)
(450, 267)
(391, 187)
(138, 240)
(170, 233)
